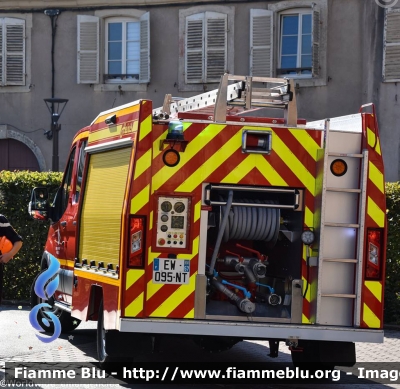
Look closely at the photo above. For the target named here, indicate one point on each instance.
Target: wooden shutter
(216, 46)
(145, 48)
(88, 49)
(261, 38)
(316, 29)
(194, 49)
(391, 48)
(13, 58)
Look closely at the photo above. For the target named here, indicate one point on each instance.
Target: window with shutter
(300, 36)
(12, 57)
(119, 55)
(127, 50)
(295, 43)
(391, 49)
(206, 47)
(261, 38)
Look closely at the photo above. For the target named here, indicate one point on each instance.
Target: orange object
(5, 245)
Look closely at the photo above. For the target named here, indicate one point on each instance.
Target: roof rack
(241, 92)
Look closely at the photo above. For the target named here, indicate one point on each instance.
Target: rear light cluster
(374, 260)
(137, 226)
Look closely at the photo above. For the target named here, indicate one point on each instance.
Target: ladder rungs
(350, 155)
(341, 260)
(339, 295)
(344, 190)
(347, 225)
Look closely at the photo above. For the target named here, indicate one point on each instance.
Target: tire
(68, 323)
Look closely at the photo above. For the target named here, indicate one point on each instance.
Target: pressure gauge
(166, 206)
(307, 237)
(164, 218)
(179, 207)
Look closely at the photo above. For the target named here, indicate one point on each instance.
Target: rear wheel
(68, 323)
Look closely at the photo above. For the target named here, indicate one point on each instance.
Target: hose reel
(252, 223)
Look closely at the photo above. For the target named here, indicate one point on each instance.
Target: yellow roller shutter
(100, 228)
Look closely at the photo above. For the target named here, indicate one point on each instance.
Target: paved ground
(19, 344)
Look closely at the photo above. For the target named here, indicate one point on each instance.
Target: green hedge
(392, 285)
(15, 192)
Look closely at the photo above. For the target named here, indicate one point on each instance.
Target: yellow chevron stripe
(151, 221)
(189, 315)
(371, 141)
(376, 177)
(135, 307)
(375, 287)
(211, 164)
(197, 212)
(293, 163)
(175, 298)
(140, 200)
(308, 218)
(305, 319)
(132, 275)
(200, 141)
(145, 127)
(143, 163)
(370, 319)
(263, 166)
(306, 141)
(375, 212)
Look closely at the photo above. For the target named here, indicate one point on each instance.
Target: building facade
(341, 54)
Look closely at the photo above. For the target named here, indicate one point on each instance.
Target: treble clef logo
(45, 286)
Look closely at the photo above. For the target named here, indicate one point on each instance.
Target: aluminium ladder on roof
(343, 204)
(244, 91)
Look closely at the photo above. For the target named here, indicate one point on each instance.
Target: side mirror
(39, 205)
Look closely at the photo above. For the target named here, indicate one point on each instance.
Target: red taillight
(374, 254)
(136, 241)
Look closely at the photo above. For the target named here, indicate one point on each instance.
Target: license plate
(171, 271)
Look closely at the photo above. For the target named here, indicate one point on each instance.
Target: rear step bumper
(249, 330)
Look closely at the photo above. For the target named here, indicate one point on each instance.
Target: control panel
(172, 222)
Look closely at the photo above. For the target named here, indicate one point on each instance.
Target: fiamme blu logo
(45, 286)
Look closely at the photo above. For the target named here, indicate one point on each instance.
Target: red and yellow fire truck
(209, 218)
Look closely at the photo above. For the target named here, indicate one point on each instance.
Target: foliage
(392, 286)
(15, 192)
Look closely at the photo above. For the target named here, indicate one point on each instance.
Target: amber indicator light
(171, 157)
(338, 167)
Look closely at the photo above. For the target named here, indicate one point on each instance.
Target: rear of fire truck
(223, 224)
(259, 228)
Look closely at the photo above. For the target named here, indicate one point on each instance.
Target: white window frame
(229, 43)
(119, 85)
(319, 38)
(391, 46)
(25, 19)
(124, 22)
(293, 12)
